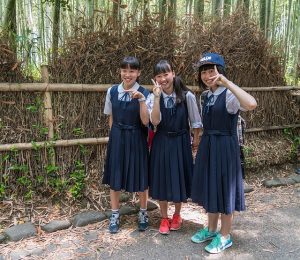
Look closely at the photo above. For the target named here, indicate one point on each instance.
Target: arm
(155, 114)
(247, 101)
(144, 112)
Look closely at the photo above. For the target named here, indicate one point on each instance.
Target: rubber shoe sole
(217, 252)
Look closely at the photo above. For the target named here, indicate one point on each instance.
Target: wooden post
(48, 115)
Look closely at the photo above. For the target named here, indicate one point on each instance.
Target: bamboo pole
(104, 140)
(267, 128)
(58, 143)
(60, 87)
(48, 114)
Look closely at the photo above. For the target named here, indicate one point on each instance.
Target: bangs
(130, 63)
(206, 67)
(162, 67)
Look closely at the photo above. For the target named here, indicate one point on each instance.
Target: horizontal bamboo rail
(58, 143)
(266, 128)
(103, 140)
(58, 87)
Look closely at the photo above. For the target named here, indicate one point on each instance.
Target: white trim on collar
(218, 91)
(134, 87)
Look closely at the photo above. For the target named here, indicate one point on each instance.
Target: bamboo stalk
(104, 140)
(58, 143)
(267, 128)
(42, 87)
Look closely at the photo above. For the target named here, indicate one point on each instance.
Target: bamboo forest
(149, 129)
(39, 27)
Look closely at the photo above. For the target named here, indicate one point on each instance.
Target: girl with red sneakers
(126, 166)
(173, 109)
(217, 179)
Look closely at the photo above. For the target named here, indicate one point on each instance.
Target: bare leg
(178, 208)
(143, 199)
(163, 209)
(213, 221)
(114, 199)
(226, 223)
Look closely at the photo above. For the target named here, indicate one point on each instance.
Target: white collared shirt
(232, 103)
(121, 91)
(193, 111)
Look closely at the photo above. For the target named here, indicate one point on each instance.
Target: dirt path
(269, 229)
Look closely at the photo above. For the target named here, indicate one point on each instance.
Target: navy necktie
(170, 102)
(209, 103)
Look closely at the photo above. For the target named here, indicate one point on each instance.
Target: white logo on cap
(206, 58)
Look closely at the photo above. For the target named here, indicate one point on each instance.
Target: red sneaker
(164, 227)
(176, 222)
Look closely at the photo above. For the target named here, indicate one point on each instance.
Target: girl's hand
(219, 79)
(135, 94)
(156, 89)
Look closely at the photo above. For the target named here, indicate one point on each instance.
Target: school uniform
(126, 165)
(171, 162)
(217, 179)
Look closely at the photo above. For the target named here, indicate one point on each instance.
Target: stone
(2, 238)
(124, 197)
(272, 183)
(295, 177)
(248, 188)
(286, 181)
(88, 217)
(151, 205)
(21, 231)
(55, 225)
(19, 254)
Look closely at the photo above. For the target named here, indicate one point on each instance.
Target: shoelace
(113, 219)
(143, 218)
(216, 241)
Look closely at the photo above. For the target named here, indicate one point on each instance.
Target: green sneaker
(203, 235)
(217, 245)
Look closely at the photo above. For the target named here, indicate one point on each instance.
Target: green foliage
(78, 131)
(77, 180)
(295, 139)
(2, 190)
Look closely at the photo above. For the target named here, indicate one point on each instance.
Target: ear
(139, 73)
(173, 73)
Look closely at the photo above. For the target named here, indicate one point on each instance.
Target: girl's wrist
(142, 99)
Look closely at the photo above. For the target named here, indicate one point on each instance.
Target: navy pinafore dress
(126, 166)
(217, 178)
(171, 161)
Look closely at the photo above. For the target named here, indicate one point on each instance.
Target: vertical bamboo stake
(48, 116)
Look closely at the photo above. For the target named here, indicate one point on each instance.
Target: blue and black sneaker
(114, 223)
(143, 222)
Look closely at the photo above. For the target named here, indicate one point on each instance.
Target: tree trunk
(162, 11)
(10, 23)
(172, 9)
(199, 8)
(56, 28)
(227, 7)
(262, 14)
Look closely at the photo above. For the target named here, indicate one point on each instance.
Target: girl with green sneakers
(217, 177)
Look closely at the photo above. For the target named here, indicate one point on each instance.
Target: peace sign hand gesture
(219, 79)
(156, 89)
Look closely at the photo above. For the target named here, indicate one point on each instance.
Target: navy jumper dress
(171, 161)
(126, 166)
(217, 179)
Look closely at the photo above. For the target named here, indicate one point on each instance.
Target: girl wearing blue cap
(217, 180)
(126, 166)
(173, 109)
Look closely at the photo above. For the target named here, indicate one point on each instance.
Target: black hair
(220, 69)
(130, 62)
(163, 66)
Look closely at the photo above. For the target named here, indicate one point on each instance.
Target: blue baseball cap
(211, 58)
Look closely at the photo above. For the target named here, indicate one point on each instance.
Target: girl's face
(129, 77)
(165, 80)
(205, 77)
